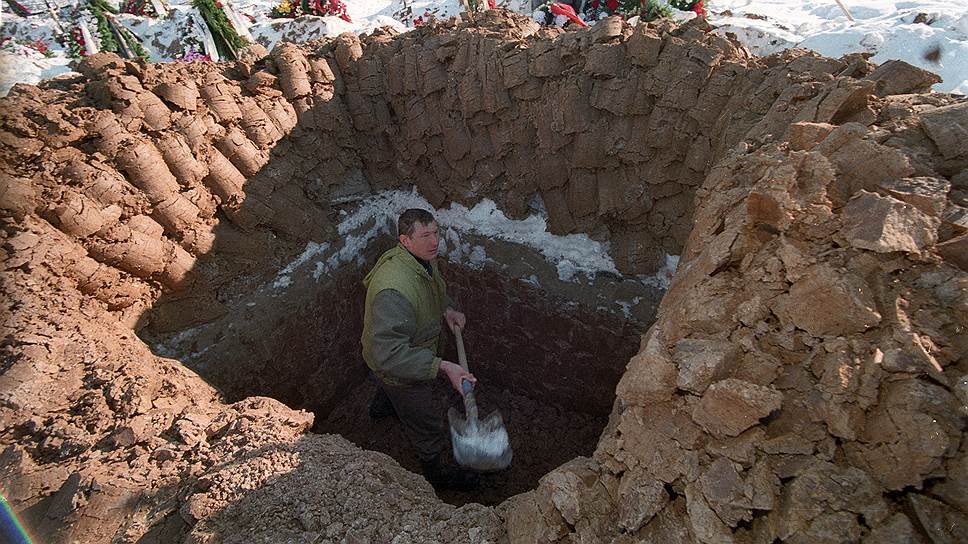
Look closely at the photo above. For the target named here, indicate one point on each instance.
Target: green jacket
(401, 320)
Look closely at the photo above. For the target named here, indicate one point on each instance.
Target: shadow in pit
(549, 368)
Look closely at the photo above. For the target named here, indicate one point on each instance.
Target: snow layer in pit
(574, 255)
(887, 29)
(377, 214)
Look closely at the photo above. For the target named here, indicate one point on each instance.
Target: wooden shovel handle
(470, 403)
(461, 354)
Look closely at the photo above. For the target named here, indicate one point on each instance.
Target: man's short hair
(405, 225)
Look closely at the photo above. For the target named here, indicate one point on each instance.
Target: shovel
(480, 445)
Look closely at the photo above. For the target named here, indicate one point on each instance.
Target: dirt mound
(804, 380)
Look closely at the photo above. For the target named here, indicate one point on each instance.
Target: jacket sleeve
(394, 324)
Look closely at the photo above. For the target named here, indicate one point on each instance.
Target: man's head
(418, 233)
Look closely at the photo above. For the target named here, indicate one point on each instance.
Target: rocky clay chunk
(731, 406)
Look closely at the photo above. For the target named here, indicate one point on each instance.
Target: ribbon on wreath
(558, 8)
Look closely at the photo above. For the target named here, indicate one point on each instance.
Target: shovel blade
(480, 445)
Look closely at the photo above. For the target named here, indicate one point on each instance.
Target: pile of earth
(804, 379)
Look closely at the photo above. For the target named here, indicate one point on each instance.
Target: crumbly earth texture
(804, 380)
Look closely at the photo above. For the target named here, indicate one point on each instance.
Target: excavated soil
(804, 379)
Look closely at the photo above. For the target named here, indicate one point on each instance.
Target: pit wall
(159, 165)
(114, 185)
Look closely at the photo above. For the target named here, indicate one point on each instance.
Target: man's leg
(380, 405)
(414, 405)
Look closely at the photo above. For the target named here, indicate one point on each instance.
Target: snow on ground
(885, 28)
(888, 29)
(19, 63)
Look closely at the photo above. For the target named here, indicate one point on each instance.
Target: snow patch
(627, 305)
(662, 279)
(884, 28)
(284, 277)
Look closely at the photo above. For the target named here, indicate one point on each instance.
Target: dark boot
(444, 477)
(380, 405)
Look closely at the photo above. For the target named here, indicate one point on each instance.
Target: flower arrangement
(75, 43)
(405, 14)
(559, 13)
(600, 9)
(595, 10)
(422, 19)
(336, 8)
(653, 9)
(41, 47)
(139, 7)
(38, 45)
(697, 6)
(227, 40)
(291, 9)
(285, 9)
(193, 41)
(108, 34)
(193, 55)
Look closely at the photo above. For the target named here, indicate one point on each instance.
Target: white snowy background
(886, 29)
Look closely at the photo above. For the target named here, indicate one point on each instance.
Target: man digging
(405, 299)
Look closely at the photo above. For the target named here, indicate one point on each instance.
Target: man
(405, 300)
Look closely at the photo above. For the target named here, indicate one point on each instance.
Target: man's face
(423, 242)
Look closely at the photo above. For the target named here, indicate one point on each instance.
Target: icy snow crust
(886, 29)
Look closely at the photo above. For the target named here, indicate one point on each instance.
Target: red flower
(612, 5)
(491, 4)
(595, 4)
(418, 21)
(699, 9)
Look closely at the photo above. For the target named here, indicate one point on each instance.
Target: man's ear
(403, 238)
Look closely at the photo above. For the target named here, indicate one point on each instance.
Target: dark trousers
(415, 407)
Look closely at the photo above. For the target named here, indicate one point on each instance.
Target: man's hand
(454, 318)
(456, 374)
